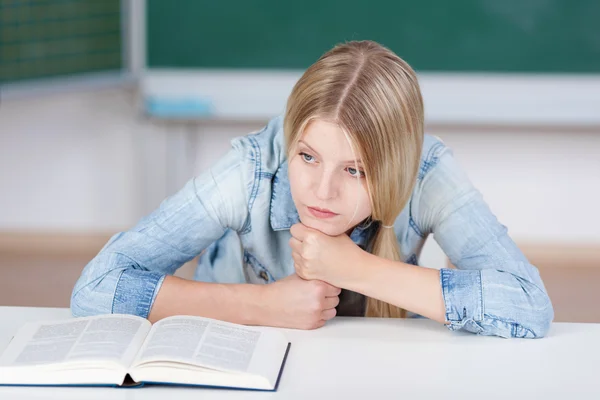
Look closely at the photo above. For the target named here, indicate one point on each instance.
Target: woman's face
(329, 192)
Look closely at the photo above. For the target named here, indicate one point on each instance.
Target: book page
(228, 347)
(113, 338)
(202, 342)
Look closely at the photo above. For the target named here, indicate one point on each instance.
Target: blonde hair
(374, 96)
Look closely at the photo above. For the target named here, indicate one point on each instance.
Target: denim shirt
(238, 214)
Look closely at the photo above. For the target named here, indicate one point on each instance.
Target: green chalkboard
(41, 38)
(553, 36)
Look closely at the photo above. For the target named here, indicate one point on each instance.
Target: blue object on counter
(179, 108)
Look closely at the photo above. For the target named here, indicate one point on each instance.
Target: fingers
(296, 245)
(298, 265)
(326, 315)
(331, 302)
(299, 231)
(332, 291)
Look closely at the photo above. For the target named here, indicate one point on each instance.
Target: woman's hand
(293, 302)
(332, 259)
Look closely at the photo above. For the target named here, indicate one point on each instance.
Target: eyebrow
(317, 153)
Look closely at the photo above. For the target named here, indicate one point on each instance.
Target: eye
(307, 158)
(355, 173)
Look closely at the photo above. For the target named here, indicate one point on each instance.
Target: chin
(326, 227)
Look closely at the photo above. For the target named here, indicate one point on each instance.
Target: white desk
(356, 358)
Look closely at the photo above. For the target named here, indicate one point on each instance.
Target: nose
(326, 186)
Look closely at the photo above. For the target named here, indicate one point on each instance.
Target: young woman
(325, 212)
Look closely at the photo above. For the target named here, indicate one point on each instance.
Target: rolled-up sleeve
(126, 275)
(493, 290)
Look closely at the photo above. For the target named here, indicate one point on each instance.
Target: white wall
(66, 162)
(75, 162)
(545, 186)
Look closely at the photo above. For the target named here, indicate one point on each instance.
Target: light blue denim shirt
(240, 212)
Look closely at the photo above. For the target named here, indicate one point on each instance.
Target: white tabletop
(377, 358)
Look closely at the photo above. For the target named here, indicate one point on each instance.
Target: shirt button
(264, 275)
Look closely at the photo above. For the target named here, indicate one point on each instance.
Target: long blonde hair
(374, 96)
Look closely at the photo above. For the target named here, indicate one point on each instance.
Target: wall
(89, 162)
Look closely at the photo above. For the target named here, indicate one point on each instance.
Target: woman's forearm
(237, 303)
(416, 289)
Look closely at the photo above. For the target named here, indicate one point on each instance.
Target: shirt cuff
(463, 297)
(136, 291)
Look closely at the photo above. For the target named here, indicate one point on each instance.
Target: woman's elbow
(77, 305)
(516, 305)
(540, 318)
(530, 323)
(531, 320)
(89, 300)
(534, 310)
(82, 303)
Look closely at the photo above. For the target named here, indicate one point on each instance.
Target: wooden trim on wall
(35, 245)
(52, 243)
(560, 255)
(541, 254)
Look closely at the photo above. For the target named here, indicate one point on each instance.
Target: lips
(324, 210)
(321, 212)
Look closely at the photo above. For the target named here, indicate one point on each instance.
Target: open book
(125, 350)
